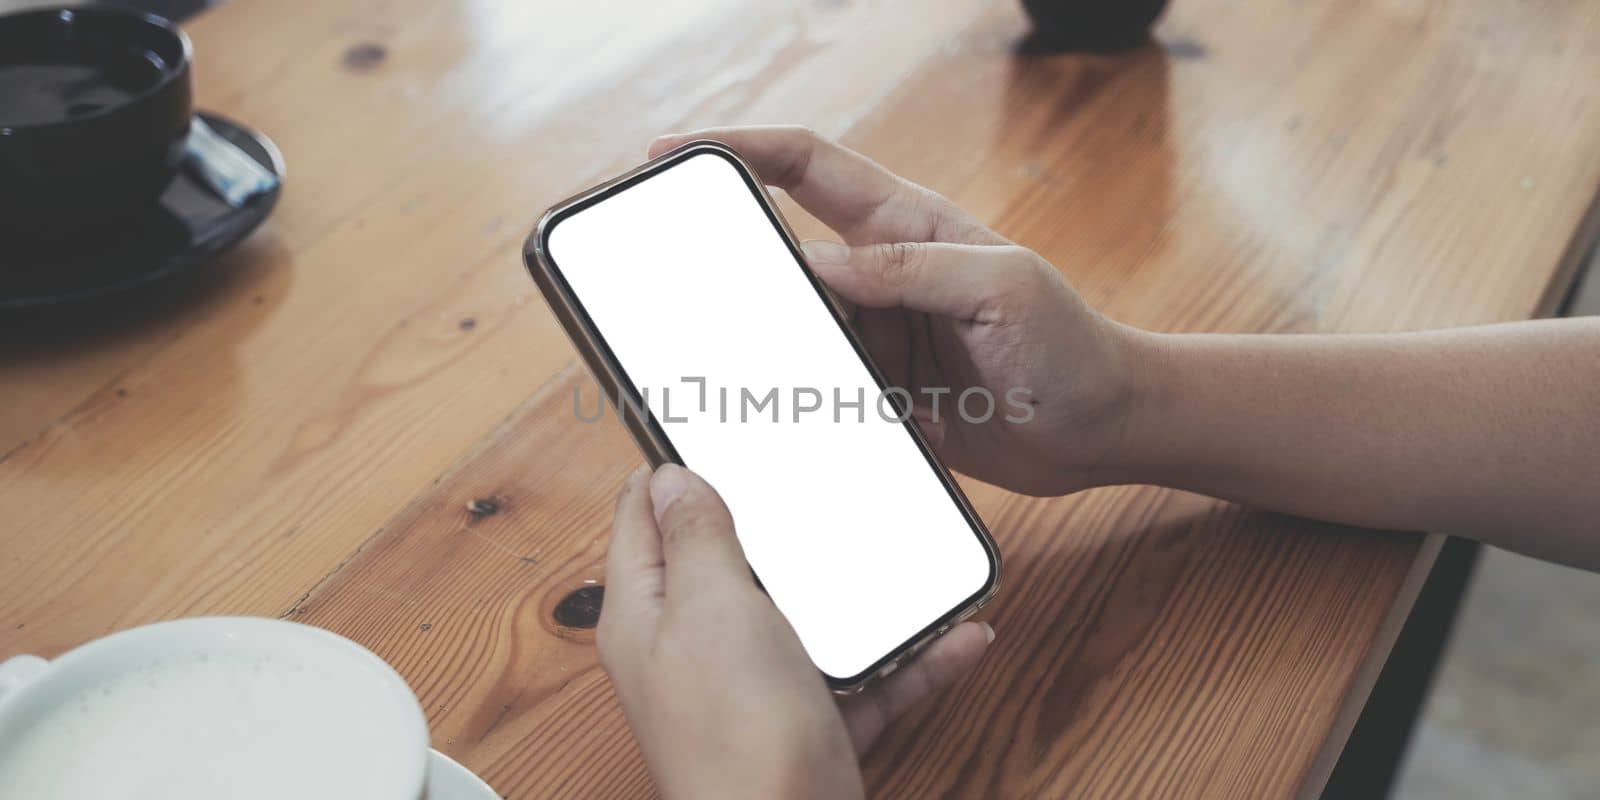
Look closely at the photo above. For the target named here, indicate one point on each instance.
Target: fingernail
(988, 631)
(639, 474)
(825, 252)
(660, 143)
(669, 483)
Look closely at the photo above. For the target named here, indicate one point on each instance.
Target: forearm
(1490, 432)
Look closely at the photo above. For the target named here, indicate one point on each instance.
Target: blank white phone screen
(841, 516)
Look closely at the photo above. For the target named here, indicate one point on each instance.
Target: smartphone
(686, 294)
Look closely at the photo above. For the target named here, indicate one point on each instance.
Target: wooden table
(364, 423)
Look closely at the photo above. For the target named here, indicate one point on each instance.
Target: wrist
(816, 761)
(779, 764)
(1146, 402)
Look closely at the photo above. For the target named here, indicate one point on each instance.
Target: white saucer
(448, 780)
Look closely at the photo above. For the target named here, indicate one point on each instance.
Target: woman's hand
(1014, 379)
(721, 696)
(1487, 432)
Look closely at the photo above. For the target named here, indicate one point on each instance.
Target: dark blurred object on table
(1095, 26)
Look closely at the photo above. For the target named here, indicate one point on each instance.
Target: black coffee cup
(95, 106)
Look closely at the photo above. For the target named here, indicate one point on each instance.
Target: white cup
(214, 707)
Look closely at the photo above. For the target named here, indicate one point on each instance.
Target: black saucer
(187, 231)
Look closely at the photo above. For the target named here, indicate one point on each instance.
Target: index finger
(848, 192)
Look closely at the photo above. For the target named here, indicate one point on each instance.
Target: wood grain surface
(364, 421)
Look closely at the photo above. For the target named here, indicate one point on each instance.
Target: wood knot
(364, 56)
(467, 324)
(581, 607)
(483, 507)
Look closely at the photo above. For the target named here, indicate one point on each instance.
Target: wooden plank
(1320, 166)
(462, 603)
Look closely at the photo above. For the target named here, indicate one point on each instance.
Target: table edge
(1557, 292)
